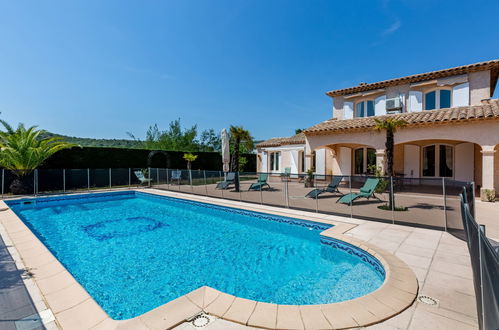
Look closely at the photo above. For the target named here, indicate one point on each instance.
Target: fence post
(445, 204)
(473, 196)
(110, 186)
(481, 229)
(3, 181)
(261, 194)
(316, 195)
(64, 180)
(157, 176)
(179, 180)
(190, 180)
(286, 192)
(205, 183)
(392, 196)
(35, 179)
(88, 179)
(350, 188)
(167, 180)
(129, 178)
(149, 174)
(222, 180)
(239, 182)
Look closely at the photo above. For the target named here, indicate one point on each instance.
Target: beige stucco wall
(398, 159)
(479, 86)
(285, 160)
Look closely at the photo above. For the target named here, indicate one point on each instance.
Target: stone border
(74, 308)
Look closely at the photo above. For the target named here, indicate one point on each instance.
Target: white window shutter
(380, 106)
(415, 101)
(461, 95)
(264, 167)
(348, 110)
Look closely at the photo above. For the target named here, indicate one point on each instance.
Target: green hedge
(98, 157)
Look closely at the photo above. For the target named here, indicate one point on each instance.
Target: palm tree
(23, 149)
(190, 158)
(390, 125)
(239, 136)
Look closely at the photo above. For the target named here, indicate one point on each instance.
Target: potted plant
(309, 179)
(22, 150)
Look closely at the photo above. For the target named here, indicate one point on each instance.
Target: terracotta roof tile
(487, 110)
(488, 65)
(276, 142)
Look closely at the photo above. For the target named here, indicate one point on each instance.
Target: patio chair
(140, 175)
(366, 191)
(331, 188)
(260, 183)
(287, 172)
(230, 178)
(176, 176)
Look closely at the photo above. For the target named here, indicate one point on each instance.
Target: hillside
(89, 142)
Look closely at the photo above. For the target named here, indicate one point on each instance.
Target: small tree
(390, 125)
(239, 136)
(190, 158)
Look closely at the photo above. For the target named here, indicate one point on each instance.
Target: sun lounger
(260, 183)
(367, 191)
(331, 188)
(230, 178)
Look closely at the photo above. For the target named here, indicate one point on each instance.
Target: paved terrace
(425, 203)
(440, 261)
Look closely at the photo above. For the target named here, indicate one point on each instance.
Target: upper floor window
(364, 109)
(437, 99)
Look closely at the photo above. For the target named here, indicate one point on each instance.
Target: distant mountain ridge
(104, 143)
(90, 142)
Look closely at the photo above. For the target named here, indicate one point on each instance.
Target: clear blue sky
(104, 68)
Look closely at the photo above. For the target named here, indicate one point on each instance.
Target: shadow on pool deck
(17, 310)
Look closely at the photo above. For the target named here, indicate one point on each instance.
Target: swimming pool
(134, 251)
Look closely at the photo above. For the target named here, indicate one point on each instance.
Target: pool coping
(74, 308)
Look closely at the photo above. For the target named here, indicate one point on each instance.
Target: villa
(452, 129)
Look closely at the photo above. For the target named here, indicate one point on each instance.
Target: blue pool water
(135, 251)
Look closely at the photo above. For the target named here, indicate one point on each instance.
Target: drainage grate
(428, 300)
(200, 321)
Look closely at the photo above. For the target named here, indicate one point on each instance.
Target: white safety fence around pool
(425, 202)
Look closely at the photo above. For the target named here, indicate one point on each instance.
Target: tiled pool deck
(440, 262)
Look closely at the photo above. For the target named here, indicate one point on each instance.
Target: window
(445, 158)
(364, 160)
(438, 99)
(364, 109)
(438, 160)
(429, 161)
(274, 161)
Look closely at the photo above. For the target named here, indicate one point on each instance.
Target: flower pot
(309, 184)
